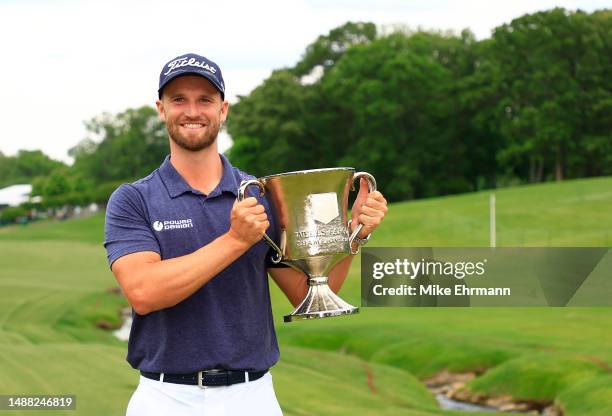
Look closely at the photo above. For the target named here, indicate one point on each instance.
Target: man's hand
(249, 221)
(369, 209)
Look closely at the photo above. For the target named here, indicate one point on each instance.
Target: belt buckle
(200, 378)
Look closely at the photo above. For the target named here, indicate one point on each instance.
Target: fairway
(53, 291)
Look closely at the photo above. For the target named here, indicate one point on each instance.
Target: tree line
(428, 113)
(439, 113)
(118, 148)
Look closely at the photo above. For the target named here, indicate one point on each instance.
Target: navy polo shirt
(227, 323)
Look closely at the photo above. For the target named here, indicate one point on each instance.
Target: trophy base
(320, 302)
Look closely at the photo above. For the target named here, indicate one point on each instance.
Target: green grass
(85, 230)
(587, 397)
(570, 213)
(543, 375)
(53, 290)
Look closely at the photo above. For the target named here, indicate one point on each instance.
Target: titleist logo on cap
(191, 64)
(181, 62)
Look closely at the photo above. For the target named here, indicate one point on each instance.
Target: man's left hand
(369, 209)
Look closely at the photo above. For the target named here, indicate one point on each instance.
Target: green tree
(25, 166)
(394, 97)
(555, 75)
(127, 145)
(268, 127)
(327, 49)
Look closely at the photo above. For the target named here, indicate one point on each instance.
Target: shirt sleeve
(127, 229)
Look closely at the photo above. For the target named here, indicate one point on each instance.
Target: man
(192, 263)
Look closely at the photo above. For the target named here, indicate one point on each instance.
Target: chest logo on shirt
(172, 224)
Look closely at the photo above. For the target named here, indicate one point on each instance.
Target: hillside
(53, 292)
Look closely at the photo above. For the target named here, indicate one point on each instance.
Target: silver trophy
(310, 212)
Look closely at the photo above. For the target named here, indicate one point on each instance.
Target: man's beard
(202, 141)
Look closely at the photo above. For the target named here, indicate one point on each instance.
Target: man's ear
(224, 111)
(160, 110)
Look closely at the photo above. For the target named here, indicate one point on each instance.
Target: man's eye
(178, 99)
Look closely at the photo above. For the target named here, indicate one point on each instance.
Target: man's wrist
(234, 241)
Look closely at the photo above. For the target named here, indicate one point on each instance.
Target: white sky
(64, 62)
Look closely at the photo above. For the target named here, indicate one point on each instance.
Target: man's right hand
(249, 221)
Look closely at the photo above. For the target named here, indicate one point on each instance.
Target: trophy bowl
(310, 213)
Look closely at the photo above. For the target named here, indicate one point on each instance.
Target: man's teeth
(193, 125)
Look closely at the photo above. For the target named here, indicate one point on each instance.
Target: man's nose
(192, 109)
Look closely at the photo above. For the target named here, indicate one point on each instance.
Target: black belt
(208, 377)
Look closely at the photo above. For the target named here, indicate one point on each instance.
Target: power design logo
(172, 224)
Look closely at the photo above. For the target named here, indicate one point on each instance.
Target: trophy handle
(371, 188)
(241, 191)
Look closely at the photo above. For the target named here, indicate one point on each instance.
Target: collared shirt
(227, 323)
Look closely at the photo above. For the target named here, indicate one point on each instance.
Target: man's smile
(192, 125)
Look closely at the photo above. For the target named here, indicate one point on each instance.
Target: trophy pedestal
(320, 302)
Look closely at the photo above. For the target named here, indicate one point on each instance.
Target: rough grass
(588, 397)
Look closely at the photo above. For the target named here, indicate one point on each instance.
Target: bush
(11, 214)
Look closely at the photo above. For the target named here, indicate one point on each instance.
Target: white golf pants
(157, 398)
